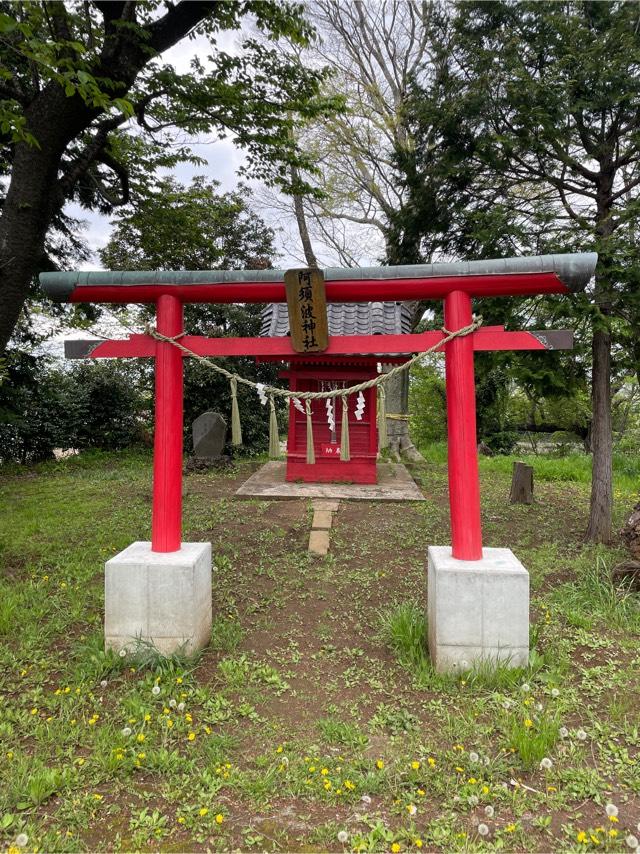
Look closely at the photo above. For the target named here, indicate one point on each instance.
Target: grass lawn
(313, 721)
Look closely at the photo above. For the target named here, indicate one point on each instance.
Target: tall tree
(548, 97)
(89, 108)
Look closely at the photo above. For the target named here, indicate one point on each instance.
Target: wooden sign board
(307, 304)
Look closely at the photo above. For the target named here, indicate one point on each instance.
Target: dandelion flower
(507, 704)
(563, 732)
(489, 811)
(525, 688)
(432, 762)
(192, 736)
(155, 690)
(203, 811)
(631, 841)
(528, 723)
(483, 830)
(21, 840)
(546, 763)
(395, 848)
(122, 653)
(172, 703)
(415, 765)
(472, 800)
(412, 809)
(611, 810)
(126, 731)
(219, 817)
(181, 707)
(379, 764)
(417, 843)
(140, 737)
(473, 756)
(343, 837)
(104, 683)
(539, 707)
(555, 692)
(366, 799)
(581, 735)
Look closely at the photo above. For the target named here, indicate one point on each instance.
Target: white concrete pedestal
(162, 598)
(478, 610)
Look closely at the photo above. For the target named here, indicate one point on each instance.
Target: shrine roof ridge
(572, 270)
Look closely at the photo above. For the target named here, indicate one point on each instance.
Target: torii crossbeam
(457, 284)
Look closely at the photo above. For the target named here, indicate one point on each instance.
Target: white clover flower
(365, 799)
(104, 683)
(489, 811)
(563, 732)
(473, 756)
(472, 800)
(555, 692)
(155, 690)
(21, 840)
(122, 653)
(126, 730)
(483, 830)
(581, 735)
(546, 763)
(525, 687)
(181, 707)
(343, 836)
(631, 841)
(611, 810)
(412, 809)
(172, 703)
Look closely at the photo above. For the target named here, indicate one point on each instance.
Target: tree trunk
(599, 529)
(521, 484)
(601, 506)
(397, 404)
(33, 198)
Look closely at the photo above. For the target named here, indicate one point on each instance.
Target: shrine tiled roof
(347, 318)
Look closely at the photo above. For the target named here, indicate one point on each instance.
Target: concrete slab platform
(394, 484)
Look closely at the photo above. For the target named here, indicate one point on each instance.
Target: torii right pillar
(478, 599)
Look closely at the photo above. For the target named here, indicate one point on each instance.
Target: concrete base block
(478, 610)
(162, 598)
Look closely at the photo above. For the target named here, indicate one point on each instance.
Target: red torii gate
(456, 284)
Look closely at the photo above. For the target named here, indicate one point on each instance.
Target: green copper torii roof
(574, 271)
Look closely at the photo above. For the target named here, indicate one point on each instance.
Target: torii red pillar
(464, 479)
(166, 516)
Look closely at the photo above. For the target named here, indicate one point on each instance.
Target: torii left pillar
(158, 593)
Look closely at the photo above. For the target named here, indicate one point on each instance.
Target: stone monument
(209, 432)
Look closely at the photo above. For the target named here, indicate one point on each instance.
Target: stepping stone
(319, 542)
(320, 504)
(322, 519)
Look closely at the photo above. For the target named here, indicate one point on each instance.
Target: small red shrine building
(319, 372)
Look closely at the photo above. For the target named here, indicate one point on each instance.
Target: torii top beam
(559, 274)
